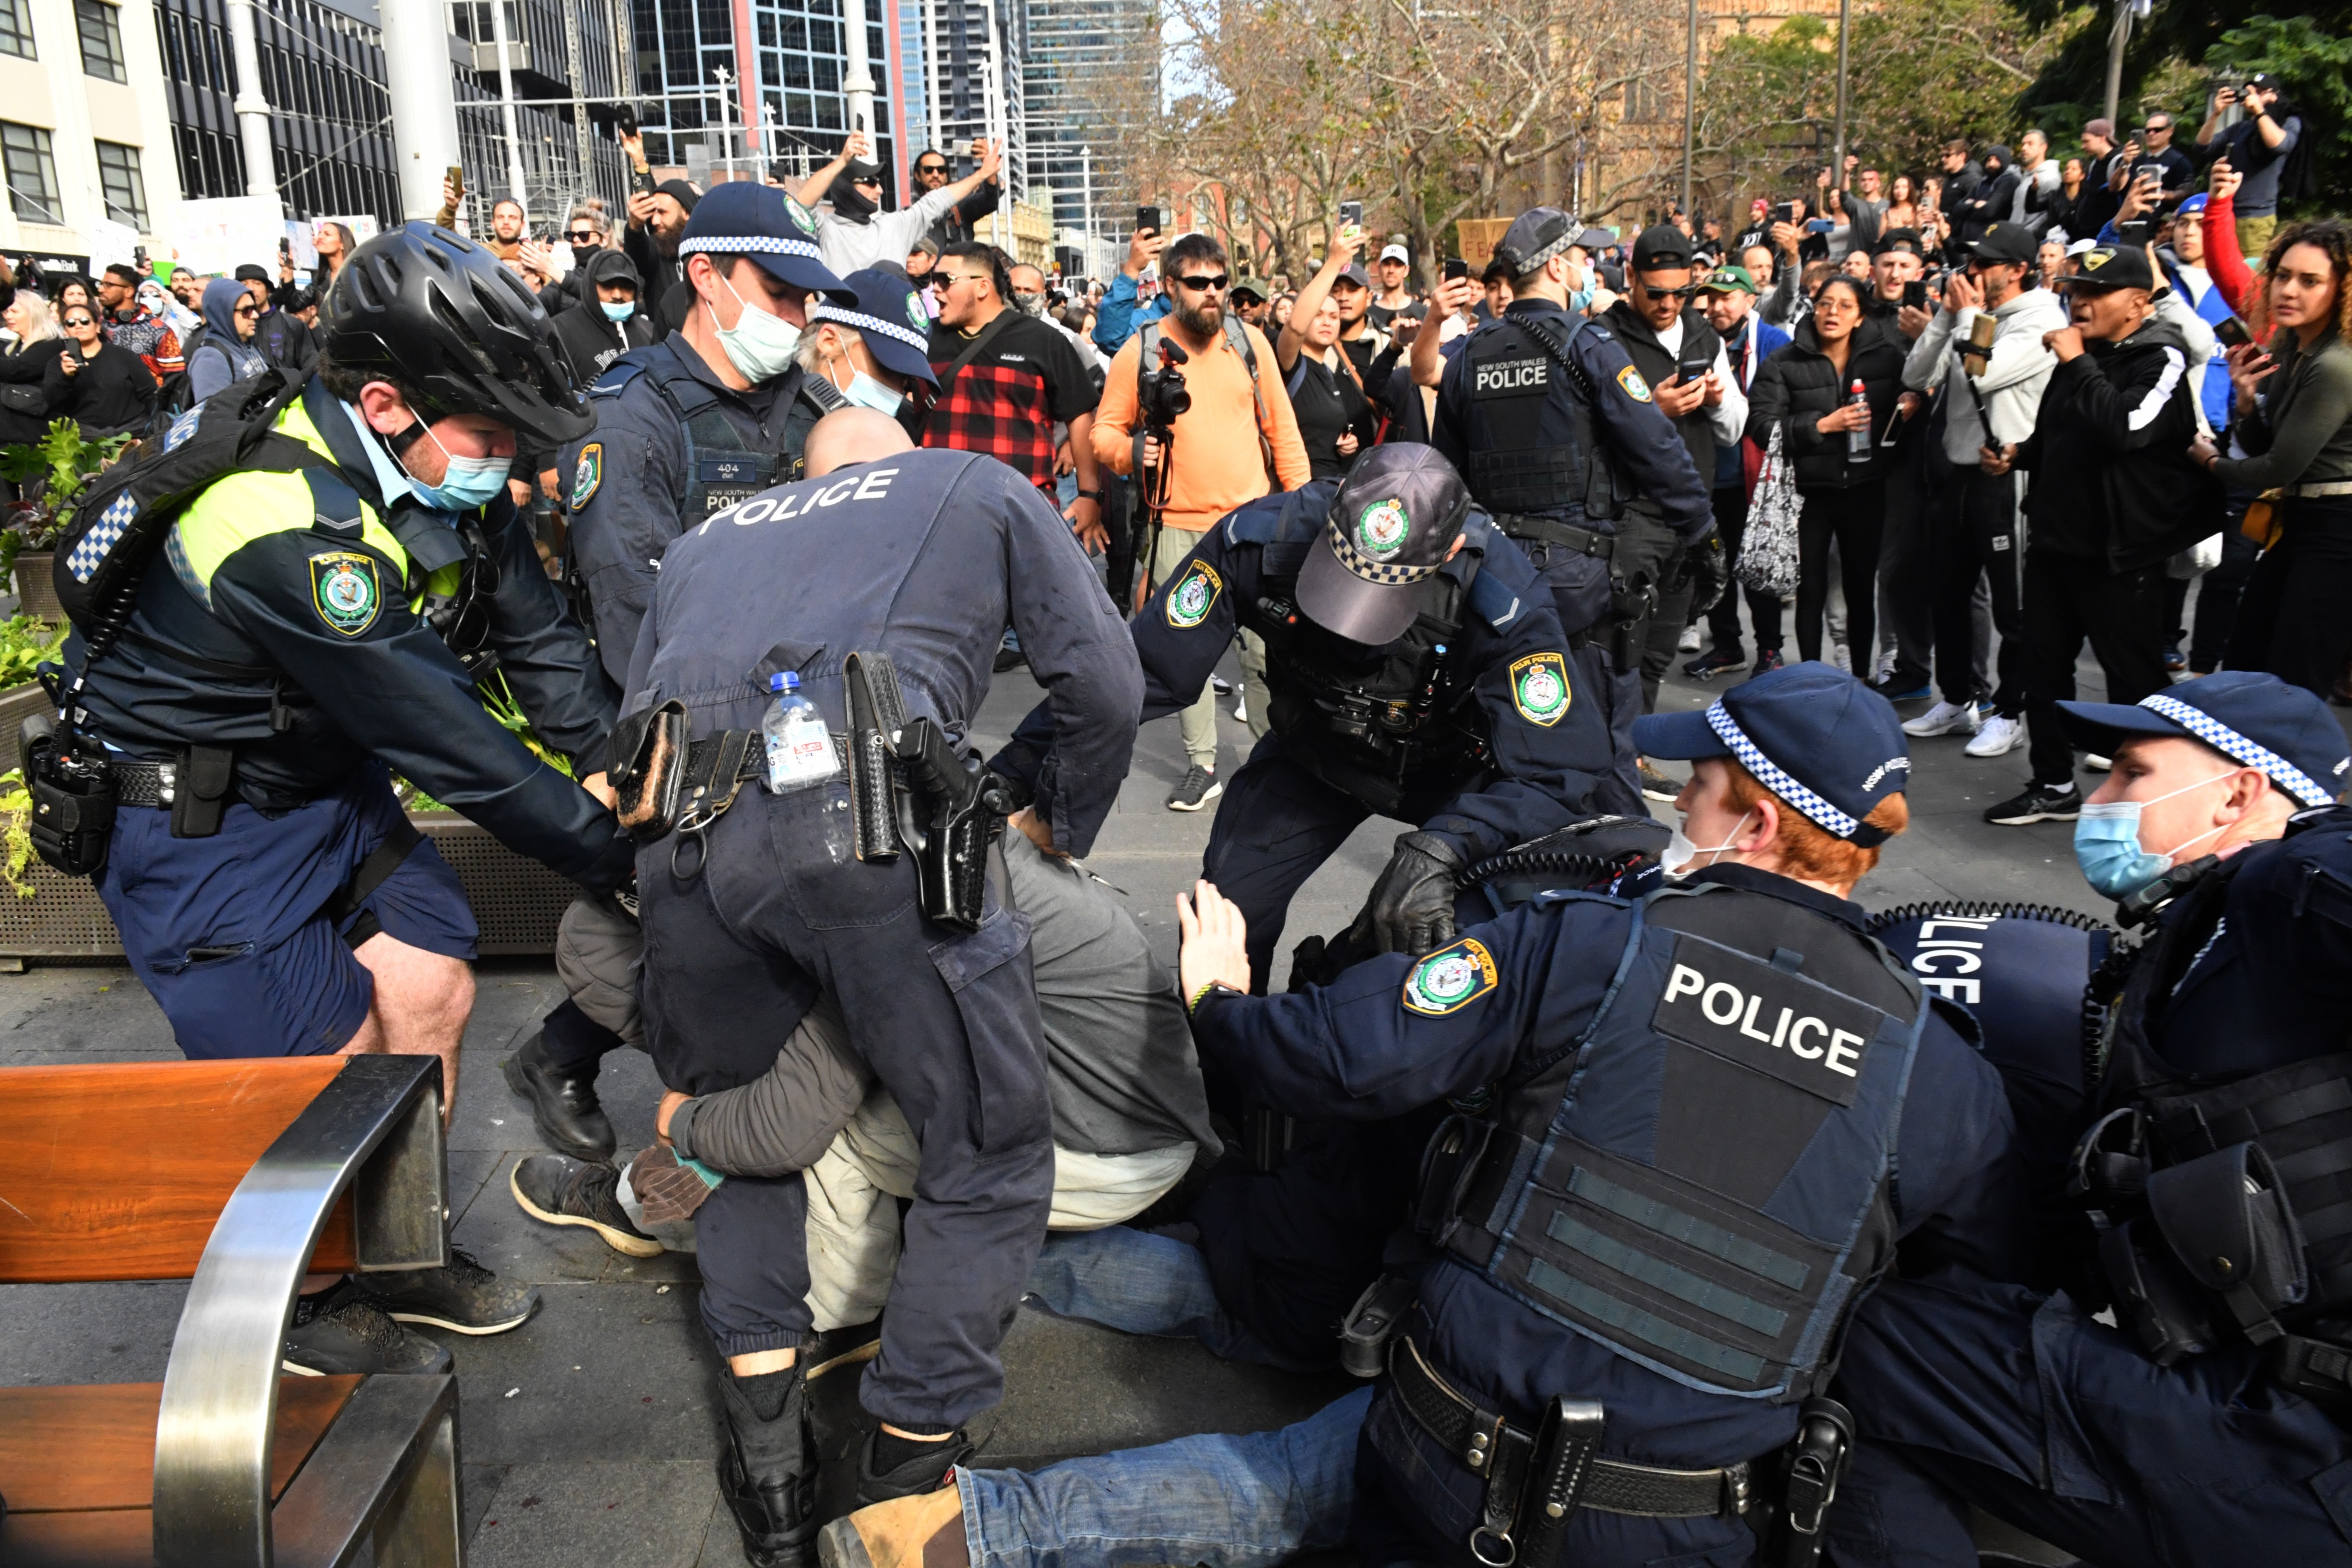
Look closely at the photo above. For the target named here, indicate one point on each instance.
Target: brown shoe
(925, 1530)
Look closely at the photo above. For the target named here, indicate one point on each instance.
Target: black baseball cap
(890, 317)
(1393, 519)
(2112, 266)
(2250, 717)
(1900, 239)
(2010, 242)
(1535, 236)
(1811, 733)
(1355, 275)
(249, 273)
(1661, 244)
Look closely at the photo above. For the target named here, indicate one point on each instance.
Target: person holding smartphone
(2258, 147)
(855, 232)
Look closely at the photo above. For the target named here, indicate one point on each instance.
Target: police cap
(2113, 266)
(1660, 246)
(889, 316)
(743, 218)
(1393, 519)
(1811, 733)
(1535, 236)
(2252, 717)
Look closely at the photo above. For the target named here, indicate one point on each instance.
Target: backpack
(172, 395)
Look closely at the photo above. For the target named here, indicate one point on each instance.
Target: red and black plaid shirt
(1006, 402)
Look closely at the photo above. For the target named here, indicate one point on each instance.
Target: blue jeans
(1142, 1284)
(1218, 1500)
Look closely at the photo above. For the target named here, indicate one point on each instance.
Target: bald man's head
(849, 435)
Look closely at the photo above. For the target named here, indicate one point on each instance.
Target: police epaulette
(1496, 603)
(617, 374)
(1974, 910)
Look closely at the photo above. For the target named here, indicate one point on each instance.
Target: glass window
(32, 174)
(17, 28)
(118, 176)
(101, 40)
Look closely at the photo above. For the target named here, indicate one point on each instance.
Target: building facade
(85, 127)
(1079, 90)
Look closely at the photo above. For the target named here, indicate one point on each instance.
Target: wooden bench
(240, 1177)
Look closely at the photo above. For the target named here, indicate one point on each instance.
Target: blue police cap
(890, 317)
(2252, 718)
(1808, 732)
(1535, 236)
(743, 218)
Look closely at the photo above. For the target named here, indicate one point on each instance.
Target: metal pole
(726, 122)
(251, 105)
(417, 74)
(1837, 157)
(1086, 190)
(515, 183)
(857, 80)
(582, 145)
(1690, 93)
(2118, 36)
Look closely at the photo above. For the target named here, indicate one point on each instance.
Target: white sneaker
(2097, 764)
(1943, 719)
(1689, 643)
(1998, 737)
(1241, 709)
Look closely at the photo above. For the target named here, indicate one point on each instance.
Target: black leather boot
(768, 1474)
(926, 1471)
(565, 1109)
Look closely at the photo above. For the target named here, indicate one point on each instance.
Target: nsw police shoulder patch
(344, 590)
(1539, 688)
(1193, 595)
(1636, 387)
(1450, 979)
(588, 475)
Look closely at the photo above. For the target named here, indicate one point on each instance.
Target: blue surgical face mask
(618, 309)
(1580, 301)
(869, 393)
(471, 482)
(760, 344)
(2108, 846)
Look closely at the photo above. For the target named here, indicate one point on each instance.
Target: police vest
(722, 466)
(1700, 1183)
(1531, 441)
(1700, 341)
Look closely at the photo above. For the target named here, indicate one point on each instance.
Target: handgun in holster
(1631, 602)
(1817, 1461)
(909, 788)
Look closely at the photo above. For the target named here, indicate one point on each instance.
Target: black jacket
(957, 223)
(2111, 477)
(286, 343)
(1989, 202)
(113, 392)
(25, 368)
(1798, 384)
(591, 340)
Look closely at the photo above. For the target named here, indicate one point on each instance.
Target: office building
(85, 130)
(1079, 93)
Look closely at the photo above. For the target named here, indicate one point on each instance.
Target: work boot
(768, 1474)
(341, 1331)
(926, 1471)
(921, 1531)
(564, 1110)
(465, 1297)
(853, 1344)
(558, 1191)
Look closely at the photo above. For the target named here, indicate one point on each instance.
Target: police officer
(708, 416)
(747, 920)
(1559, 434)
(1646, 1237)
(2211, 1419)
(1417, 672)
(319, 613)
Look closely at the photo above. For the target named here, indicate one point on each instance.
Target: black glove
(1412, 906)
(1708, 570)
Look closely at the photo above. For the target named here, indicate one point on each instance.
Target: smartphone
(2232, 331)
(1456, 267)
(457, 178)
(1784, 212)
(1692, 370)
(1819, 225)
(1915, 294)
(1147, 220)
(2148, 171)
(139, 256)
(1351, 213)
(624, 118)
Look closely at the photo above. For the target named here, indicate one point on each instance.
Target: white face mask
(760, 344)
(864, 391)
(1681, 851)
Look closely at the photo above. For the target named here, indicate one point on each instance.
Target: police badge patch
(802, 219)
(1450, 979)
(1380, 529)
(916, 317)
(1636, 387)
(1194, 595)
(1539, 688)
(343, 587)
(588, 475)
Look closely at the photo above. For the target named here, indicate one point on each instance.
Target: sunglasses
(581, 236)
(930, 168)
(1669, 293)
(1209, 285)
(253, 310)
(951, 278)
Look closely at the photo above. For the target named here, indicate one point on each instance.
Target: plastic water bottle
(800, 748)
(1857, 440)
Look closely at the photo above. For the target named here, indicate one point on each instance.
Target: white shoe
(2097, 764)
(1241, 709)
(1843, 657)
(1689, 643)
(1943, 719)
(1998, 737)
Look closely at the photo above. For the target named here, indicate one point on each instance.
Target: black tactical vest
(722, 466)
(1701, 342)
(1531, 439)
(1700, 1183)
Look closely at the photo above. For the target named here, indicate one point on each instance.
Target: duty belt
(143, 784)
(1583, 541)
(1490, 1447)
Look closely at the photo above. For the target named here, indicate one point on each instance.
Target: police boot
(768, 1473)
(564, 1109)
(931, 1468)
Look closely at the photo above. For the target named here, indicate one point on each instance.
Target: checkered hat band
(1369, 570)
(2230, 743)
(865, 323)
(1768, 773)
(745, 243)
(1557, 248)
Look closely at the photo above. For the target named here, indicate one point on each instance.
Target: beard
(1204, 320)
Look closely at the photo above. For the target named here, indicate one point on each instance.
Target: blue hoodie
(223, 357)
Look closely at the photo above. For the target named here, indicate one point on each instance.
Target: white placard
(304, 255)
(217, 235)
(111, 243)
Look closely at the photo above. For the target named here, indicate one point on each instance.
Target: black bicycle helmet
(440, 314)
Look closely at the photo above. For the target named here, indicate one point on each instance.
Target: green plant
(25, 642)
(65, 463)
(501, 705)
(15, 834)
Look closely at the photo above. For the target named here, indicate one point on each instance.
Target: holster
(667, 783)
(1817, 1460)
(878, 713)
(1372, 1322)
(200, 793)
(909, 788)
(1630, 606)
(72, 817)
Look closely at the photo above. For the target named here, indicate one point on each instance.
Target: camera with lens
(1163, 396)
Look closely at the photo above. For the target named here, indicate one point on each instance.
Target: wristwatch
(1090, 495)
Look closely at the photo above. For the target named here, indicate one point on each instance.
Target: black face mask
(849, 204)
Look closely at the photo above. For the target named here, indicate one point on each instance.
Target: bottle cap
(783, 680)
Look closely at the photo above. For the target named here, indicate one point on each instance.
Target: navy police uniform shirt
(923, 556)
(1356, 1049)
(1643, 442)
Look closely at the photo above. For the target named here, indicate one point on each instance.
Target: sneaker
(1690, 640)
(921, 1531)
(928, 1472)
(849, 1345)
(1842, 657)
(1657, 785)
(1714, 661)
(1918, 693)
(2039, 803)
(1199, 788)
(2174, 660)
(1766, 663)
(1942, 720)
(341, 1330)
(565, 1109)
(1241, 709)
(557, 1191)
(1221, 686)
(2000, 736)
(465, 1297)
(1008, 658)
(2096, 763)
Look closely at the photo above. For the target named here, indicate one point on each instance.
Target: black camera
(1163, 396)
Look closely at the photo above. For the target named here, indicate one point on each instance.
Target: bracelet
(1201, 995)
(1090, 495)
